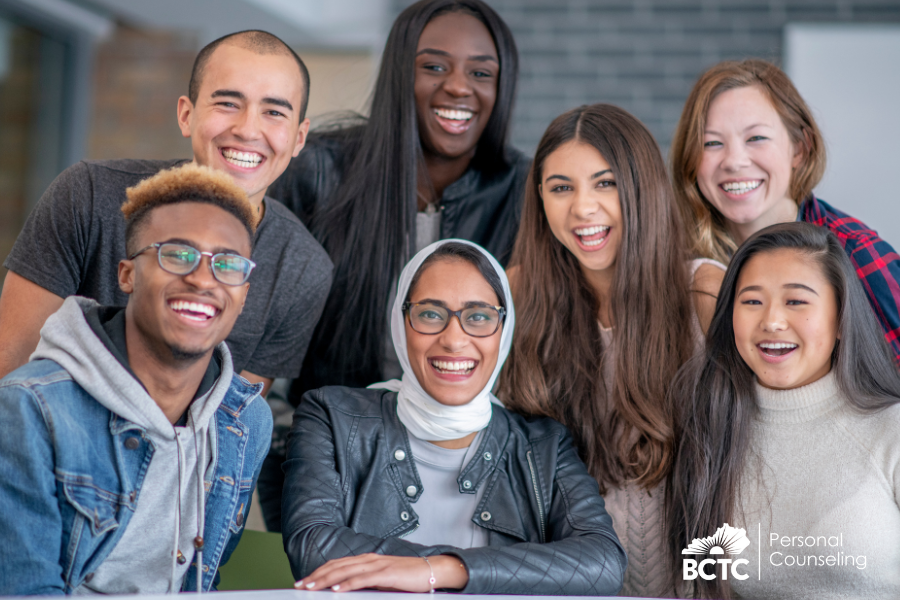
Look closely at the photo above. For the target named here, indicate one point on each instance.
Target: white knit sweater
(819, 468)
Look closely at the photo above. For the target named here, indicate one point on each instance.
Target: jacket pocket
(99, 507)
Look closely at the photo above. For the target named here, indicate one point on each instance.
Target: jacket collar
(480, 467)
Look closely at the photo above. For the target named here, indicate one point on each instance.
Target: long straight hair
(368, 227)
(718, 393)
(555, 367)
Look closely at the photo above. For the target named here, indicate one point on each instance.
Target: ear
(800, 152)
(301, 137)
(126, 276)
(185, 110)
(541, 190)
(244, 297)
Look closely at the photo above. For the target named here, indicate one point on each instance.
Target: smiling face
(785, 319)
(457, 70)
(246, 118)
(582, 206)
(747, 163)
(452, 366)
(183, 317)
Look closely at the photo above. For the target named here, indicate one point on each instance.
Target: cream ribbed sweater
(637, 514)
(829, 472)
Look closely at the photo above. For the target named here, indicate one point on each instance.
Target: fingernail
(310, 584)
(335, 587)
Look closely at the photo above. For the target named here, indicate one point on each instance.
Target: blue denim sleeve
(30, 520)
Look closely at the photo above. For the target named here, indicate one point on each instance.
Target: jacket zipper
(537, 495)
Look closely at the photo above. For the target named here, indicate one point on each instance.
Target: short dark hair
(255, 40)
(187, 183)
(465, 253)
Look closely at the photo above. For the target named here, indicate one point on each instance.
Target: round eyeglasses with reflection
(477, 320)
(181, 259)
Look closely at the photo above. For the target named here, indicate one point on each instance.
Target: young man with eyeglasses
(245, 115)
(129, 446)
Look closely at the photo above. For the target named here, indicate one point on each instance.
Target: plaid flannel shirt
(876, 262)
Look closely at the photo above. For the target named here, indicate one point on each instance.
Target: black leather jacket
(345, 494)
(479, 207)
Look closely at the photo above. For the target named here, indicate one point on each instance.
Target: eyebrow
(218, 250)
(240, 96)
(787, 286)
(746, 129)
(475, 57)
(594, 176)
(469, 304)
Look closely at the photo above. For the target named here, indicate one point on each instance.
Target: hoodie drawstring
(201, 509)
(178, 558)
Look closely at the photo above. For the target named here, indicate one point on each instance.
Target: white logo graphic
(726, 540)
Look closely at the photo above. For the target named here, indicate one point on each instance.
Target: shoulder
(109, 178)
(353, 402)
(532, 428)
(282, 230)
(34, 374)
(706, 276)
(848, 229)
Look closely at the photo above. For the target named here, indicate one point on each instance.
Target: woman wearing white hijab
(429, 482)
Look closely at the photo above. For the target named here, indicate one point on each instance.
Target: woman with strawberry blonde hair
(747, 154)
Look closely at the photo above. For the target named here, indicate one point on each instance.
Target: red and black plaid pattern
(877, 263)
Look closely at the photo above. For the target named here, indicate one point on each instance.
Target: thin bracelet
(430, 579)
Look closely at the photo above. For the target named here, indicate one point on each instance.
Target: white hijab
(423, 416)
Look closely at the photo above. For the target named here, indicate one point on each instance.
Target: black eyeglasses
(181, 259)
(431, 319)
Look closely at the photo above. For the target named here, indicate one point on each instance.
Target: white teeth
(777, 345)
(194, 307)
(741, 187)
(462, 365)
(242, 159)
(584, 231)
(456, 115)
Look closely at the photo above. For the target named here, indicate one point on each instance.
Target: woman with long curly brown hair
(747, 154)
(611, 307)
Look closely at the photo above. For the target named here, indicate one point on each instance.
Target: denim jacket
(70, 486)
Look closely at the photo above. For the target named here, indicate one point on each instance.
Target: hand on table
(394, 573)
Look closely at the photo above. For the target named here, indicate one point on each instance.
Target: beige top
(830, 473)
(638, 515)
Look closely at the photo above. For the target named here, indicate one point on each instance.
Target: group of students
(522, 377)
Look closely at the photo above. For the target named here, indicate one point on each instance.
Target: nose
(773, 319)
(584, 204)
(202, 277)
(735, 157)
(453, 338)
(246, 125)
(457, 83)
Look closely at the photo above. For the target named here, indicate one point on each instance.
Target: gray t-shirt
(73, 241)
(445, 514)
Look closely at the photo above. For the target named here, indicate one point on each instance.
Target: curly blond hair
(188, 183)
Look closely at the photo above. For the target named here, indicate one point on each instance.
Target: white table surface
(328, 595)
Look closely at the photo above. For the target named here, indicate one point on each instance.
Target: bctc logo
(726, 541)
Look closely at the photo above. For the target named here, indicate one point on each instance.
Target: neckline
(799, 405)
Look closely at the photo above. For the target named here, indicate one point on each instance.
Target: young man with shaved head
(245, 116)
(129, 447)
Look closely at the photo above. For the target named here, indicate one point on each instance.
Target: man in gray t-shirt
(244, 115)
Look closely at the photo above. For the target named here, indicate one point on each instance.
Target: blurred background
(100, 78)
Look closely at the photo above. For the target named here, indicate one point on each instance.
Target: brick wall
(644, 55)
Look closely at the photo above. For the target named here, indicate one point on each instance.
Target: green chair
(258, 563)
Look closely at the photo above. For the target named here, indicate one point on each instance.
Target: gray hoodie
(170, 503)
